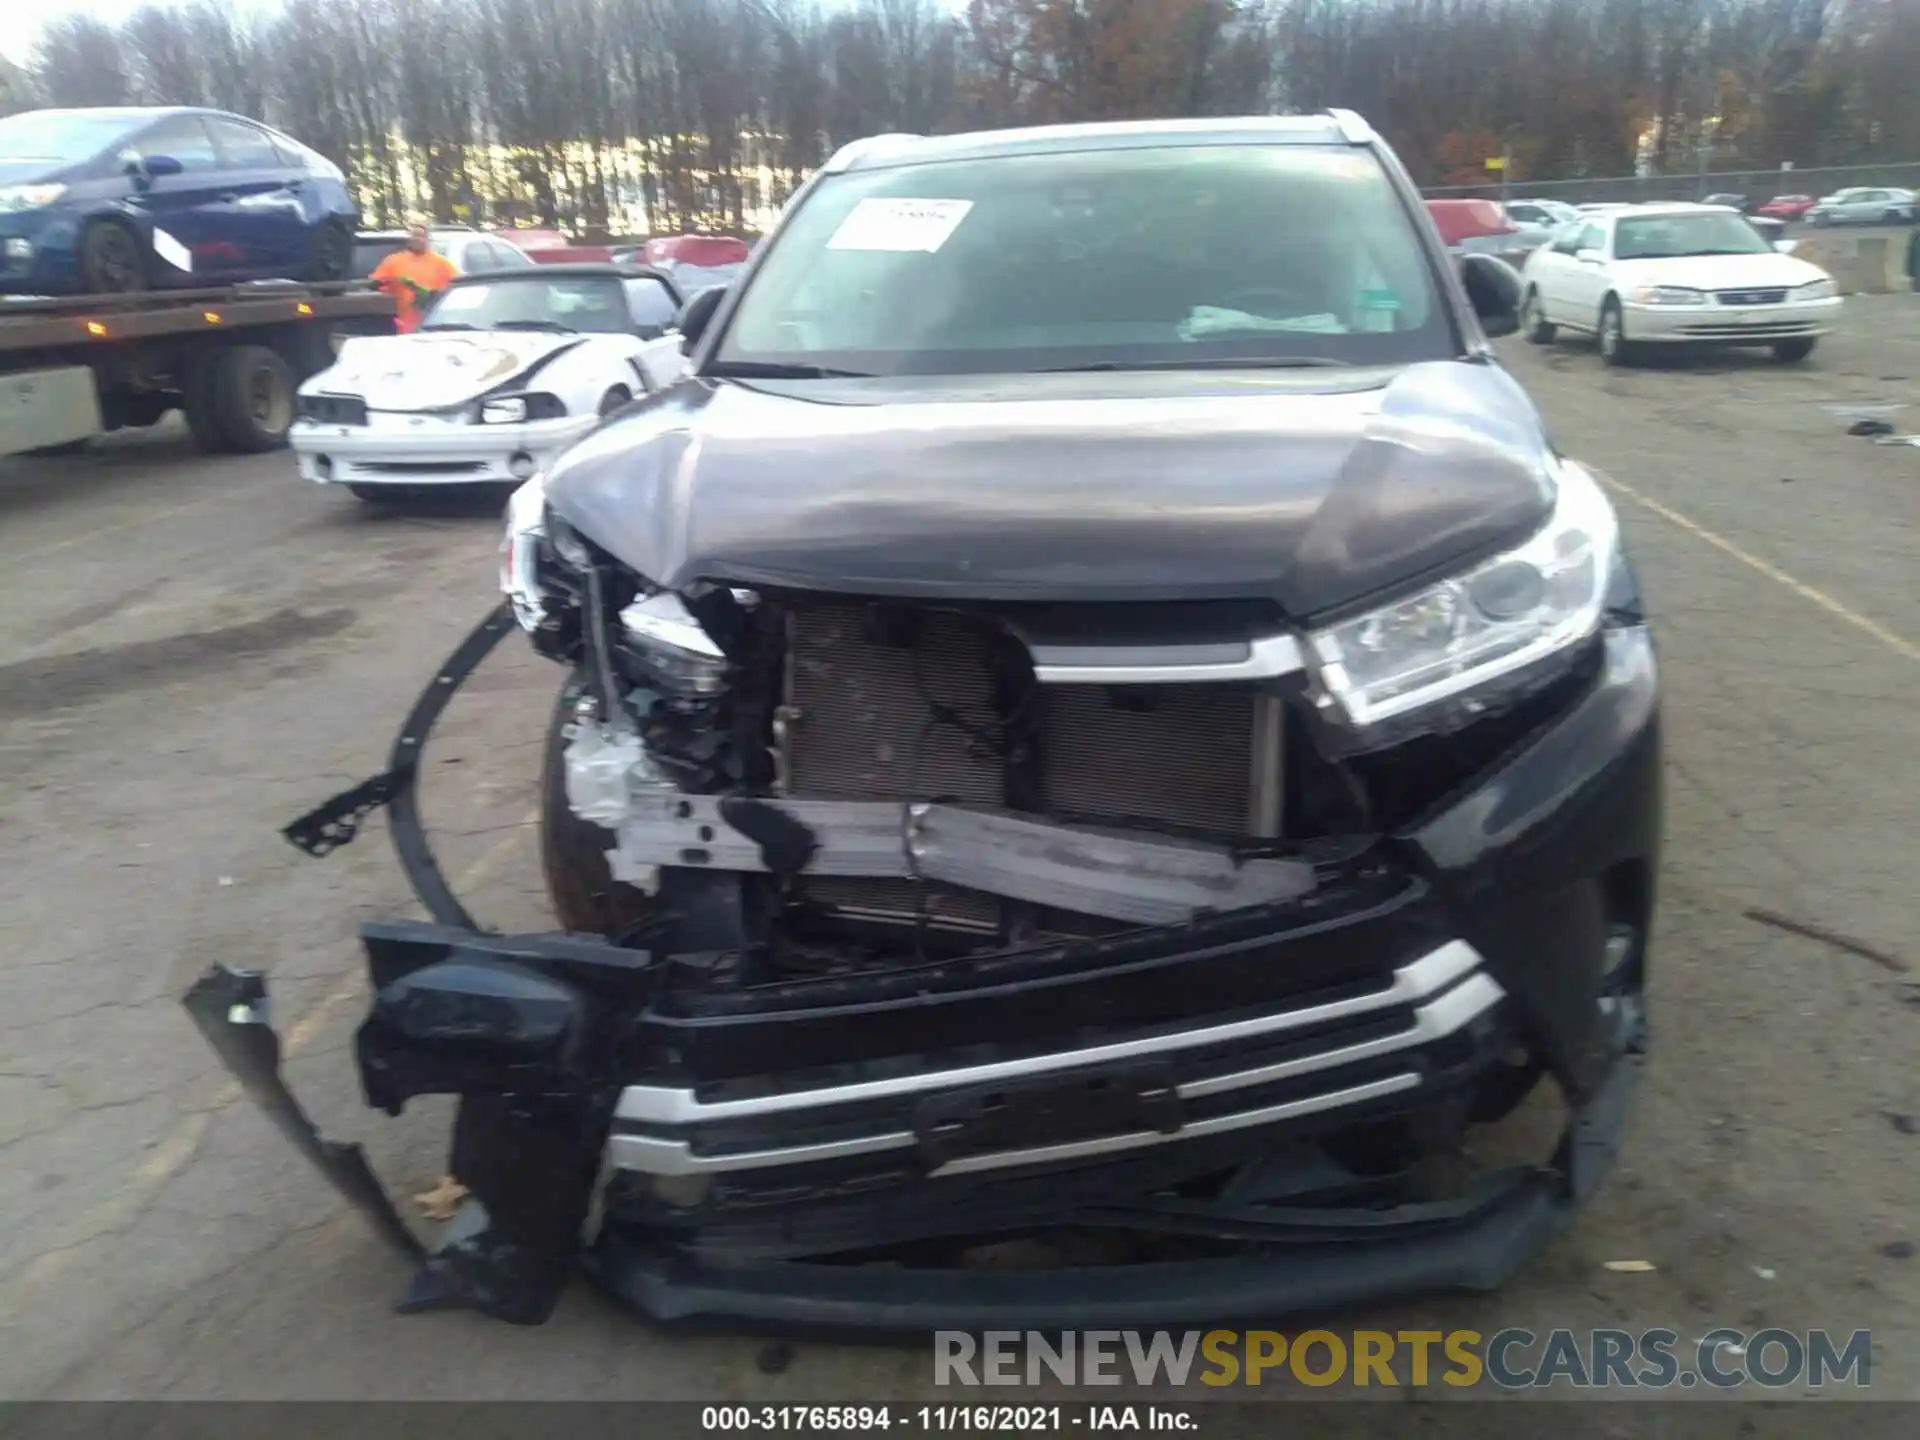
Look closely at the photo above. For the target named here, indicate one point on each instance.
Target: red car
(1788, 207)
(550, 247)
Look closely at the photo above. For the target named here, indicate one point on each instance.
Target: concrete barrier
(1863, 262)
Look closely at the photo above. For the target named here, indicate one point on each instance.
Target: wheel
(110, 262)
(1792, 352)
(573, 852)
(1614, 348)
(611, 401)
(1533, 320)
(251, 389)
(332, 252)
(196, 404)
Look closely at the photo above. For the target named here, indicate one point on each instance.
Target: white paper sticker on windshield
(463, 297)
(881, 224)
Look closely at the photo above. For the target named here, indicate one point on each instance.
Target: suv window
(185, 138)
(1155, 257)
(652, 302)
(242, 146)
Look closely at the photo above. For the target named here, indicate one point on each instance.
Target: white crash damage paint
(172, 251)
(424, 371)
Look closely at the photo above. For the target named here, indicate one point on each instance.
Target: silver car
(1865, 205)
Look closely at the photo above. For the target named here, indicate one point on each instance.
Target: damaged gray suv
(1095, 714)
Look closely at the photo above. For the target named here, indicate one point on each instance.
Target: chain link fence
(1760, 184)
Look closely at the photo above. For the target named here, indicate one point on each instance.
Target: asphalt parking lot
(193, 651)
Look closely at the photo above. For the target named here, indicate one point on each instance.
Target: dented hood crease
(1313, 493)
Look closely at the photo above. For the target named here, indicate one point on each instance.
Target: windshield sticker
(1214, 320)
(900, 225)
(463, 297)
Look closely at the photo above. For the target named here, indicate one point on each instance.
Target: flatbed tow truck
(229, 359)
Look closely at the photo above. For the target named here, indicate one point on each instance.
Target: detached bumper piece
(763, 1200)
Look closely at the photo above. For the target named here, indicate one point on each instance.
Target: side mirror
(159, 165)
(1493, 288)
(1786, 247)
(696, 315)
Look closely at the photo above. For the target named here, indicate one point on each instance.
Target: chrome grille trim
(1459, 992)
(1260, 659)
(1432, 973)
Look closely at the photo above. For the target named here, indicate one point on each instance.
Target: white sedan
(1675, 274)
(506, 371)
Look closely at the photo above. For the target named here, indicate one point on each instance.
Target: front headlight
(14, 198)
(1816, 290)
(1499, 617)
(503, 412)
(1667, 295)
(672, 647)
(520, 552)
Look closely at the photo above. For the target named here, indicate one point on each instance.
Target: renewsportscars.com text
(1515, 1358)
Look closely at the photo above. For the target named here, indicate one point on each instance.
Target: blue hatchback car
(116, 200)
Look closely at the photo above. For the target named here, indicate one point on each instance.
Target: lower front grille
(1240, 1073)
(925, 704)
(1751, 297)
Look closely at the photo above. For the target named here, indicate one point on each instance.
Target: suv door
(189, 213)
(265, 216)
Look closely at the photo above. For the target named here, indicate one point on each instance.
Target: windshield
(1141, 258)
(592, 303)
(1662, 237)
(62, 135)
(367, 254)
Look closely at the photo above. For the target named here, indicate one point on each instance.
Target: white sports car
(506, 371)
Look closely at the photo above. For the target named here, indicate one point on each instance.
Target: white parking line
(1896, 643)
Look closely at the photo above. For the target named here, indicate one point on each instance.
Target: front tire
(1615, 350)
(1533, 320)
(573, 852)
(1792, 352)
(110, 262)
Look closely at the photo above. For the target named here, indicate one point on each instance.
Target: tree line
(573, 111)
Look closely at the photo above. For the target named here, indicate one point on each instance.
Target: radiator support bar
(1142, 879)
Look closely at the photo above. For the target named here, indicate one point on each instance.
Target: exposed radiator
(864, 728)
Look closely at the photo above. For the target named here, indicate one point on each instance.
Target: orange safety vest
(401, 273)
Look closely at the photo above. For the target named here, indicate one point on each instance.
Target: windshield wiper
(553, 325)
(454, 325)
(1219, 362)
(781, 370)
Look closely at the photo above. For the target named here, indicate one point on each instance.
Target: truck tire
(109, 261)
(196, 404)
(250, 389)
(573, 852)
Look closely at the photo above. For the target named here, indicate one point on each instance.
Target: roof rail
(854, 149)
(1353, 129)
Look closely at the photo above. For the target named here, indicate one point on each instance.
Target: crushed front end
(936, 964)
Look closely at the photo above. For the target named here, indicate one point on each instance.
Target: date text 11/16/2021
(939, 1419)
